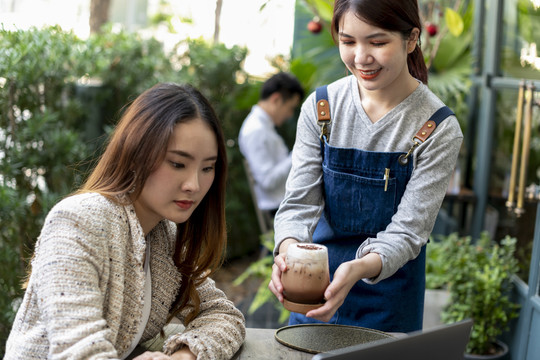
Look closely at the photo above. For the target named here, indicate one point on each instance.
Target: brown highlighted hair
(392, 15)
(137, 147)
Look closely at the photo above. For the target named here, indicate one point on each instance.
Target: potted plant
(436, 295)
(480, 281)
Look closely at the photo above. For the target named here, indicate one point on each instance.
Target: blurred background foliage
(39, 143)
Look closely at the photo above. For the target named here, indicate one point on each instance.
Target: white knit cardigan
(85, 296)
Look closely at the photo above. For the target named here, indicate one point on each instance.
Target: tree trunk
(99, 14)
(219, 4)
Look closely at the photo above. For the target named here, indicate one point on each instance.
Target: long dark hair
(393, 15)
(137, 147)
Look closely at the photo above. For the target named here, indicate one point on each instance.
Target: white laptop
(445, 342)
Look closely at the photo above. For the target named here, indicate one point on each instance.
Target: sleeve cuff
(177, 342)
(362, 251)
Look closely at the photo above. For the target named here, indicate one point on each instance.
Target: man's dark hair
(285, 84)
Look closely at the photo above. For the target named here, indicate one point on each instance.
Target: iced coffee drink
(307, 275)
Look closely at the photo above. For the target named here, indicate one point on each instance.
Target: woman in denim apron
(374, 229)
(359, 204)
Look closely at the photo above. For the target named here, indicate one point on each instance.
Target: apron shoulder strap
(432, 123)
(323, 110)
(426, 130)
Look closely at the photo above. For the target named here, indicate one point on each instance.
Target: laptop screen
(445, 342)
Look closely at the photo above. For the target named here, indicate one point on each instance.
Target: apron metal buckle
(404, 159)
(324, 129)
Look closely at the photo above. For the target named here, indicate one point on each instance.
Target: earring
(132, 190)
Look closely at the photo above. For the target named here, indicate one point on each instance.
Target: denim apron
(362, 192)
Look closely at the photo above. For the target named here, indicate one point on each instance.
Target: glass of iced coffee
(306, 278)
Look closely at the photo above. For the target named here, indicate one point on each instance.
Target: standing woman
(135, 246)
(355, 186)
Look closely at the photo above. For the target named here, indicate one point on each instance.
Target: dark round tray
(316, 338)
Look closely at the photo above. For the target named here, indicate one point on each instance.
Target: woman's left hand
(182, 354)
(336, 292)
(346, 275)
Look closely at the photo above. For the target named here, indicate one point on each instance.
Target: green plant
(262, 269)
(315, 57)
(480, 287)
(436, 263)
(39, 141)
(116, 66)
(448, 52)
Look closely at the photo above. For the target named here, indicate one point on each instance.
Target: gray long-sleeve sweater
(434, 162)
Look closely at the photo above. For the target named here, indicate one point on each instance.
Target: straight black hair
(283, 83)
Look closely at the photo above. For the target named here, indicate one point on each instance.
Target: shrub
(480, 287)
(39, 141)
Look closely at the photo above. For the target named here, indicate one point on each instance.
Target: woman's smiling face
(181, 181)
(376, 57)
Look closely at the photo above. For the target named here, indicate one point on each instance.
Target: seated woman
(135, 246)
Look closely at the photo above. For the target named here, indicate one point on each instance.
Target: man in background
(267, 155)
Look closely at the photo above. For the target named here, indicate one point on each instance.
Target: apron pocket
(357, 204)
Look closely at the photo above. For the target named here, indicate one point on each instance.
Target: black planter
(502, 354)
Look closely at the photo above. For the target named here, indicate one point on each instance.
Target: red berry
(432, 29)
(314, 26)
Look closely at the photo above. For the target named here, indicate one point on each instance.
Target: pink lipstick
(184, 204)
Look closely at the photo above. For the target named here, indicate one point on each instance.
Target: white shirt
(267, 155)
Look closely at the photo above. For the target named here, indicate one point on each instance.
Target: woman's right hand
(278, 268)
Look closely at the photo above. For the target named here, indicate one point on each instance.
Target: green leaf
(454, 21)
(283, 315)
(262, 296)
(325, 8)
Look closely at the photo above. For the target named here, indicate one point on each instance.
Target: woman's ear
(413, 40)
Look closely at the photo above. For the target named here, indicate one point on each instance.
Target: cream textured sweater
(85, 296)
